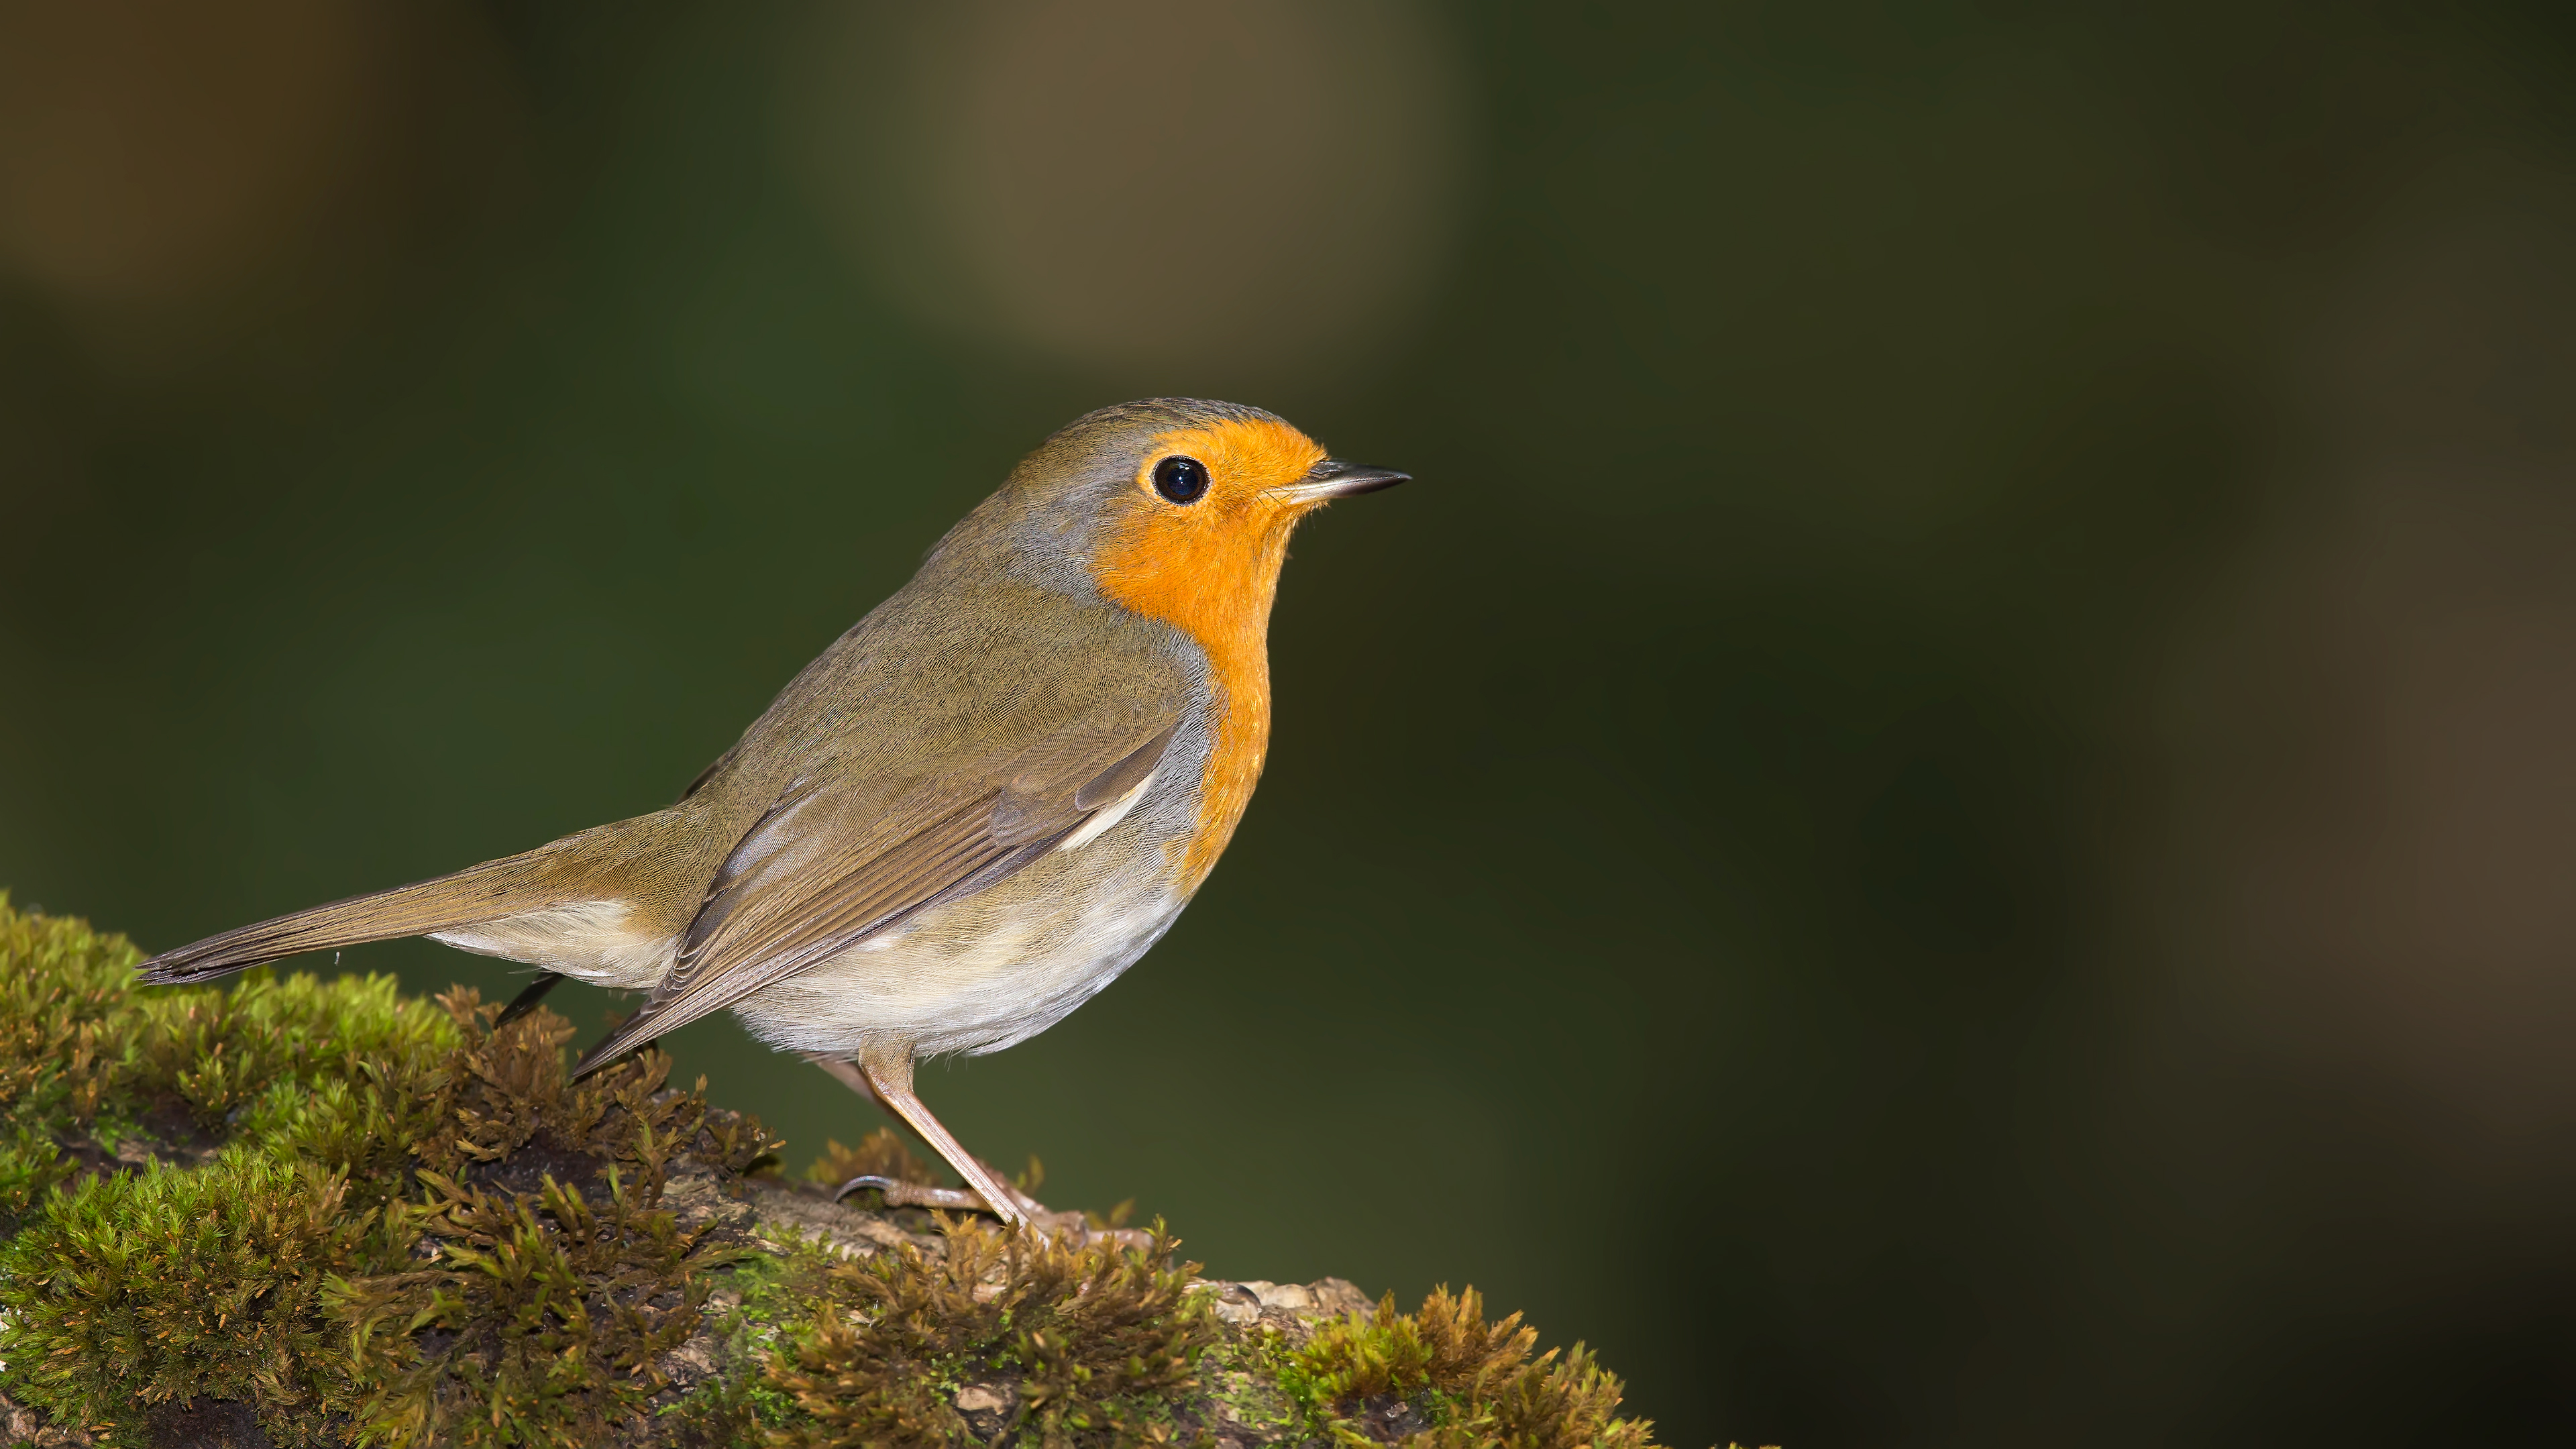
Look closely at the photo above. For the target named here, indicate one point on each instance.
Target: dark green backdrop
(1823, 848)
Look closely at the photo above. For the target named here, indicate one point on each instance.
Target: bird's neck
(1238, 743)
(1223, 604)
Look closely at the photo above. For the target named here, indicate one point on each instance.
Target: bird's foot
(1033, 1214)
(899, 1193)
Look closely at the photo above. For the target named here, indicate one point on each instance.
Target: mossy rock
(307, 1212)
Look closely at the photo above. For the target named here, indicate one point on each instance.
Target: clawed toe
(912, 1194)
(1072, 1226)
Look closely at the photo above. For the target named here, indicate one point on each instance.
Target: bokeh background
(1948, 817)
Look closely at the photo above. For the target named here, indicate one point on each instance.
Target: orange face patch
(1212, 569)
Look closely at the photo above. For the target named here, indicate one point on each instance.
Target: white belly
(979, 984)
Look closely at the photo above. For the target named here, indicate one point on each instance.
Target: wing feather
(833, 862)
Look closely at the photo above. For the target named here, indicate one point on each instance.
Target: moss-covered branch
(318, 1212)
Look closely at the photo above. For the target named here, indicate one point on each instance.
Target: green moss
(544, 1319)
(1078, 1343)
(31, 1161)
(367, 1125)
(739, 1410)
(1471, 1382)
(162, 1285)
(773, 1292)
(550, 1302)
(214, 1052)
(407, 1209)
(511, 1103)
(1446, 1345)
(370, 1219)
(65, 1006)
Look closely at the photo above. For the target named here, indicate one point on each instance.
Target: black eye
(1180, 479)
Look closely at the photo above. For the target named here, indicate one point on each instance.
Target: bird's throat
(1216, 585)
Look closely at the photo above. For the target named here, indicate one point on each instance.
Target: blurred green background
(1946, 818)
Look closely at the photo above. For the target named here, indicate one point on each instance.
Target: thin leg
(892, 1077)
(897, 1194)
(887, 1080)
(849, 1075)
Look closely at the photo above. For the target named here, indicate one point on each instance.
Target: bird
(967, 816)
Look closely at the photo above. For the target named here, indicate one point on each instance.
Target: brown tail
(479, 893)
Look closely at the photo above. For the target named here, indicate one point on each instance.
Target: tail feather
(480, 893)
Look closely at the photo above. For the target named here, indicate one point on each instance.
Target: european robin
(964, 818)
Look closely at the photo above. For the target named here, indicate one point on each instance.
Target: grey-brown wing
(832, 863)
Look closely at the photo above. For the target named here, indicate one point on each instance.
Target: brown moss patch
(996, 1337)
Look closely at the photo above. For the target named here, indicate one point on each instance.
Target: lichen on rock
(305, 1212)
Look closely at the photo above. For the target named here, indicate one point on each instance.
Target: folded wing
(836, 860)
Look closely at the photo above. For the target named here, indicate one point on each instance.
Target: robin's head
(1177, 508)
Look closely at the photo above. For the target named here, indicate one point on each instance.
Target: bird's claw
(912, 1194)
(865, 1179)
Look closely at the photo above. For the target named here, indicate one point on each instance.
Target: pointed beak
(1333, 478)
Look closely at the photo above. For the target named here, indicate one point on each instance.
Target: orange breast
(1212, 569)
